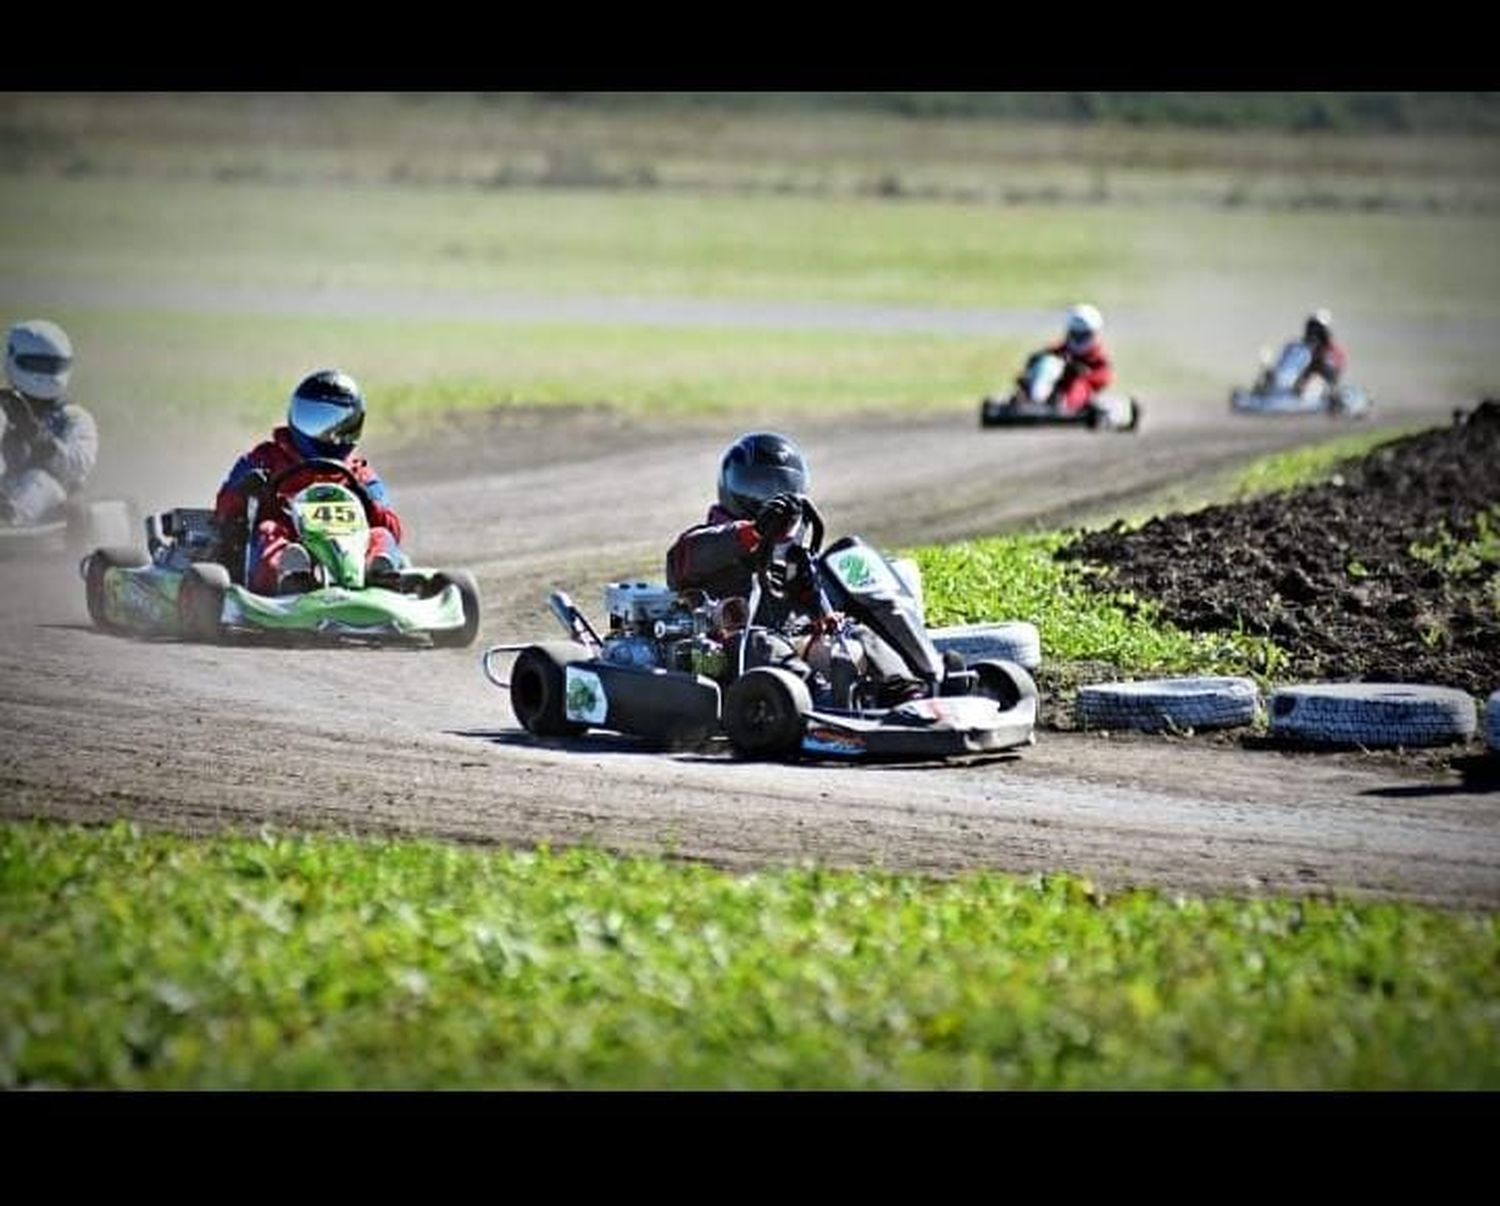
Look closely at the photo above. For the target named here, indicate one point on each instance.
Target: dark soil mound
(1327, 571)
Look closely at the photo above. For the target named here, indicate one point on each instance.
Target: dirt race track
(98, 727)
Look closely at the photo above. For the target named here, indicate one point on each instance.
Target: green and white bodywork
(182, 590)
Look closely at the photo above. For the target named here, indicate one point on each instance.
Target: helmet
(327, 412)
(757, 466)
(1084, 324)
(39, 360)
(1319, 328)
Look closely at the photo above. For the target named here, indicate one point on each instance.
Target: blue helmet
(757, 466)
(327, 413)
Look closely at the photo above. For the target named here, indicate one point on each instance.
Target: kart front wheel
(468, 592)
(538, 690)
(94, 568)
(200, 601)
(1006, 682)
(763, 713)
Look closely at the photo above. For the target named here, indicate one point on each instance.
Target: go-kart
(191, 583)
(1285, 387)
(1033, 402)
(76, 527)
(682, 668)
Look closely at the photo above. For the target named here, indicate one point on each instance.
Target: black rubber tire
(1372, 715)
(1006, 682)
(538, 688)
(763, 713)
(94, 567)
(1177, 703)
(1136, 410)
(464, 636)
(200, 601)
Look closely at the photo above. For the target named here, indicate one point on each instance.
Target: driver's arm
(231, 501)
(382, 514)
(702, 553)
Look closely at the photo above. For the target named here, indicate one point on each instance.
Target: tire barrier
(1011, 641)
(1373, 715)
(1152, 705)
(1492, 722)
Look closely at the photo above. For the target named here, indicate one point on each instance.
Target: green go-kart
(191, 583)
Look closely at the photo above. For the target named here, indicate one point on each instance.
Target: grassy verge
(138, 960)
(1017, 577)
(241, 368)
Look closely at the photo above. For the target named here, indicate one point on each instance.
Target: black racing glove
(778, 516)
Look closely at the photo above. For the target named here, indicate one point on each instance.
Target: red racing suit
(273, 532)
(1087, 371)
(1328, 361)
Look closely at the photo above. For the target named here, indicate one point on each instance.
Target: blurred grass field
(141, 960)
(198, 248)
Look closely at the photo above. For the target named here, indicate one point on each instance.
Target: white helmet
(1084, 323)
(39, 360)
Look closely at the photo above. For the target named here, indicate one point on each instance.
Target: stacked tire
(1373, 715)
(1169, 704)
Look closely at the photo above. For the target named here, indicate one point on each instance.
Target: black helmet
(757, 466)
(1319, 327)
(327, 411)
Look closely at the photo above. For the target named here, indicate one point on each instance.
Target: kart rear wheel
(1006, 682)
(200, 601)
(763, 713)
(468, 590)
(94, 569)
(538, 689)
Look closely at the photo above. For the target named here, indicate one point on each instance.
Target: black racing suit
(717, 557)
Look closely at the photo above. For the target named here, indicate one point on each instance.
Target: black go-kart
(681, 668)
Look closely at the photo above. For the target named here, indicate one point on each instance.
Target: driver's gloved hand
(778, 516)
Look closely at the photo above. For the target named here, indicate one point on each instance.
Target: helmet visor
(41, 362)
(326, 421)
(749, 486)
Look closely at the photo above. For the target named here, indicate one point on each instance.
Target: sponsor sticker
(860, 570)
(830, 741)
(584, 698)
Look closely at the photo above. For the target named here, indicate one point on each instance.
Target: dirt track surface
(362, 740)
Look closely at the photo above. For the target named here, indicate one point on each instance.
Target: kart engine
(652, 625)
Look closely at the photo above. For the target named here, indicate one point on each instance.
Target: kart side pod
(559, 688)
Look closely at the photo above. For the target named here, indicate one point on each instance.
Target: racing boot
(294, 574)
(384, 569)
(894, 691)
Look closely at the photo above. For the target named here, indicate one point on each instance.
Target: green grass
(1307, 465)
(1017, 577)
(149, 961)
(239, 370)
(584, 241)
(1196, 291)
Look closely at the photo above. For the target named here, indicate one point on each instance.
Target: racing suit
(716, 557)
(1328, 361)
(1085, 373)
(274, 531)
(47, 451)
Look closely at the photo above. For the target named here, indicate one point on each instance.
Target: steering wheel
(774, 585)
(319, 465)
